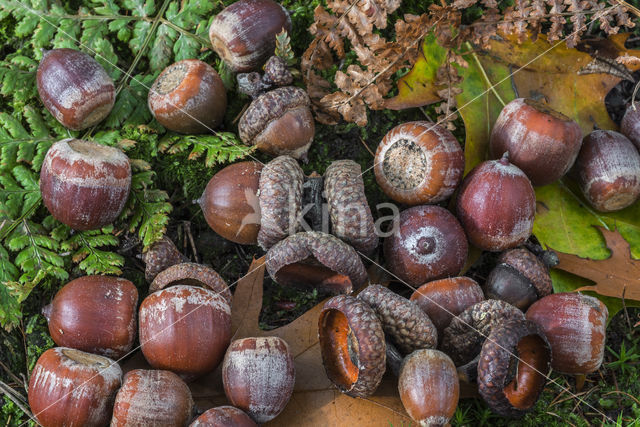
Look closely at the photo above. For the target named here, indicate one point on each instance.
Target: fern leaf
(86, 245)
(221, 147)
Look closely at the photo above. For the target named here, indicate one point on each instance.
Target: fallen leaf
(617, 276)
(315, 401)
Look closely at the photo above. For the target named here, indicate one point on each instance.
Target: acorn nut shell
(279, 122)
(71, 387)
(351, 218)
(258, 375)
(188, 97)
(575, 325)
(244, 33)
(315, 260)
(75, 88)
(352, 345)
(542, 142)
(429, 387)
(418, 163)
(152, 397)
(428, 244)
(496, 205)
(83, 184)
(224, 416)
(630, 125)
(280, 200)
(96, 314)
(462, 339)
(513, 365)
(409, 327)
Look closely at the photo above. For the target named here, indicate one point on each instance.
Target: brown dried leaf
(617, 276)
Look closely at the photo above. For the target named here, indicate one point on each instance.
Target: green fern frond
(222, 147)
(86, 245)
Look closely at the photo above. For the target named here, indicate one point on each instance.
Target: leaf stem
(484, 73)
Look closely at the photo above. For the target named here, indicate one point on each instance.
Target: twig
(11, 374)
(13, 396)
(187, 231)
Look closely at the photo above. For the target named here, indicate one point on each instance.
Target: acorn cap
(267, 107)
(511, 386)
(351, 218)
(531, 267)
(408, 326)
(352, 345)
(160, 256)
(189, 273)
(280, 196)
(462, 339)
(276, 72)
(320, 250)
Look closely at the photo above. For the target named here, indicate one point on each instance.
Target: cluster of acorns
(185, 323)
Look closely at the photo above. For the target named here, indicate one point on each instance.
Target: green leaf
(222, 147)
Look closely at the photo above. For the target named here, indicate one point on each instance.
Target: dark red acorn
(188, 97)
(83, 184)
(185, 329)
(258, 375)
(444, 299)
(542, 142)
(575, 325)
(608, 171)
(224, 416)
(428, 244)
(244, 33)
(96, 314)
(496, 205)
(230, 202)
(72, 388)
(75, 89)
(630, 125)
(150, 397)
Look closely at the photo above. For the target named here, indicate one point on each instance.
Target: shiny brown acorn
(608, 171)
(575, 325)
(150, 397)
(188, 97)
(96, 314)
(224, 416)
(542, 142)
(230, 202)
(428, 244)
(75, 89)
(70, 387)
(630, 125)
(185, 329)
(244, 33)
(429, 387)
(258, 375)
(83, 184)
(496, 205)
(418, 163)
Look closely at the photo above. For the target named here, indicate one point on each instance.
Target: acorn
(185, 329)
(280, 199)
(188, 97)
(150, 397)
(352, 345)
(279, 122)
(630, 125)
(403, 321)
(83, 184)
(315, 260)
(70, 387)
(258, 375)
(575, 325)
(230, 202)
(608, 171)
(513, 366)
(418, 163)
(224, 416)
(75, 88)
(444, 299)
(496, 205)
(428, 243)
(462, 340)
(429, 387)
(542, 142)
(244, 33)
(96, 314)
(520, 278)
